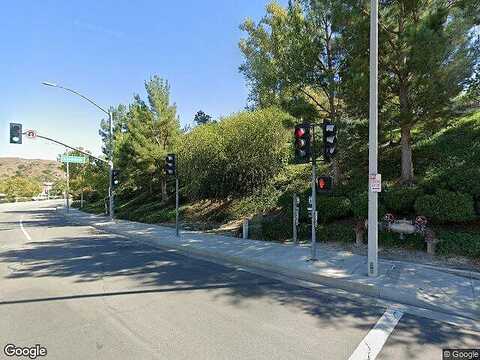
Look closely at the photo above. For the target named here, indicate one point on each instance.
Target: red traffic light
(299, 132)
(324, 183)
(302, 143)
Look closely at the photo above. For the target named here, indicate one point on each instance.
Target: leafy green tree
(119, 125)
(293, 57)
(201, 118)
(427, 52)
(20, 186)
(295, 50)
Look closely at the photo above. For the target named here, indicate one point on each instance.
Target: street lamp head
(49, 84)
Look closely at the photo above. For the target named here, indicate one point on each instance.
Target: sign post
(67, 192)
(71, 159)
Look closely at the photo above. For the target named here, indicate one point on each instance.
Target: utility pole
(373, 143)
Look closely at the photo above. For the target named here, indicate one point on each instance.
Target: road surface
(83, 294)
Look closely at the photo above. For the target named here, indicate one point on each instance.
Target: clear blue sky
(106, 49)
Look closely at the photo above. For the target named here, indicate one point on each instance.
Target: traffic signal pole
(177, 230)
(314, 198)
(171, 170)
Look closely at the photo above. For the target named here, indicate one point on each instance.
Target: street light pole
(373, 143)
(110, 123)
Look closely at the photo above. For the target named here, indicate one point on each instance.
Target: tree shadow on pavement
(94, 256)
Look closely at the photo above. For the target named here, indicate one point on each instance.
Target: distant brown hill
(42, 170)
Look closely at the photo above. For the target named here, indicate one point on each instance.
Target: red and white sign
(31, 134)
(375, 182)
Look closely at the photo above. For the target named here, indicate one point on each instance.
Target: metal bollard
(245, 228)
(296, 213)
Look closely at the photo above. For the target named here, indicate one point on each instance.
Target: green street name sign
(73, 159)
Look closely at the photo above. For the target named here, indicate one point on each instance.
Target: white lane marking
(23, 229)
(373, 343)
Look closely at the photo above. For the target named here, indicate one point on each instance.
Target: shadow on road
(95, 256)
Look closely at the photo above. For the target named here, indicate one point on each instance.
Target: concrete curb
(469, 274)
(371, 290)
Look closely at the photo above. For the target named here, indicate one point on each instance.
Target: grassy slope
(451, 156)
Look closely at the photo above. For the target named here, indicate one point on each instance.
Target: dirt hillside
(43, 170)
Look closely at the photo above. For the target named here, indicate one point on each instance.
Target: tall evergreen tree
(201, 118)
(427, 52)
(144, 134)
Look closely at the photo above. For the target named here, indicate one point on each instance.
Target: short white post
(245, 229)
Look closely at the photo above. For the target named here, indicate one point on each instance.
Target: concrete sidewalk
(401, 282)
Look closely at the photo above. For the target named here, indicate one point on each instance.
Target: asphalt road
(83, 294)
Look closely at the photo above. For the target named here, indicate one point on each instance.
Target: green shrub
(235, 156)
(360, 206)
(332, 207)
(270, 228)
(459, 243)
(465, 179)
(201, 161)
(342, 232)
(164, 215)
(446, 206)
(260, 201)
(392, 240)
(400, 200)
(450, 159)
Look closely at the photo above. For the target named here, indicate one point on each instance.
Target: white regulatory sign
(31, 134)
(375, 182)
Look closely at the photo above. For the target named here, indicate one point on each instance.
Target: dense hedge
(459, 243)
(235, 156)
(336, 232)
(360, 206)
(450, 159)
(400, 200)
(446, 206)
(332, 207)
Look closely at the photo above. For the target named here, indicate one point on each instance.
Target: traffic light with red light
(329, 140)
(324, 184)
(170, 165)
(303, 150)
